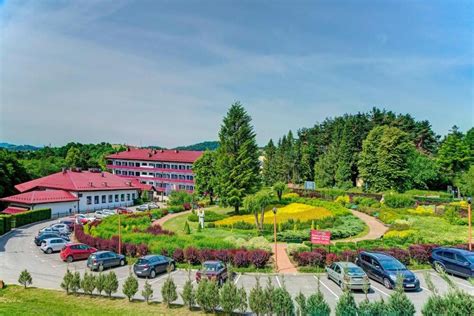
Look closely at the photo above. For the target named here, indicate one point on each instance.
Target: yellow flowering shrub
(293, 211)
(422, 210)
(399, 233)
(292, 195)
(461, 204)
(343, 199)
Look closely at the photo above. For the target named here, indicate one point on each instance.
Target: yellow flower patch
(293, 211)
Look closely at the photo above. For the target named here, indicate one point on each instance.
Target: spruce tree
(147, 291)
(257, 299)
(75, 282)
(229, 297)
(25, 278)
(346, 305)
(111, 283)
(238, 166)
(67, 280)
(100, 283)
(206, 176)
(168, 291)
(269, 171)
(130, 287)
(88, 283)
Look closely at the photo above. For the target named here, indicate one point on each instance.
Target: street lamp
(119, 235)
(275, 236)
(469, 219)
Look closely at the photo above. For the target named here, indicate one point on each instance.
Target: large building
(73, 191)
(165, 170)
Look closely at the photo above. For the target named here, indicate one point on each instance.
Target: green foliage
(11, 174)
(269, 170)
(423, 170)
(454, 154)
(283, 303)
(20, 219)
(179, 197)
(237, 158)
(242, 299)
(300, 300)
(383, 162)
(258, 302)
(187, 229)
(279, 187)
(398, 303)
(130, 287)
(395, 200)
(147, 291)
(206, 176)
(25, 278)
(207, 145)
(75, 284)
(88, 283)
(168, 291)
(67, 281)
(111, 283)
(188, 294)
(209, 216)
(324, 169)
(465, 182)
(374, 308)
(229, 299)
(207, 294)
(175, 209)
(100, 283)
(346, 305)
(316, 305)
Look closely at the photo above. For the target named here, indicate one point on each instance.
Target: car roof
(49, 239)
(456, 250)
(346, 264)
(378, 255)
(101, 252)
(212, 262)
(151, 256)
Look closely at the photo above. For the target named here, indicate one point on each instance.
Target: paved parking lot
(18, 252)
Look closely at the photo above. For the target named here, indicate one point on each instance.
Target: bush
(178, 255)
(175, 209)
(257, 300)
(207, 294)
(99, 283)
(398, 303)
(242, 295)
(168, 291)
(365, 201)
(25, 278)
(241, 259)
(191, 255)
(395, 200)
(209, 216)
(258, 258)
(75, 282)
(375, 308)
(229, 297)
(283, 303)
(130, 287)
(346, 305)
(147, 292)
(179, 197)
(88, 283)
(344, 200)
(67, 280)
(111, 284)
(317, 305)
(188, 295)
(300, 300)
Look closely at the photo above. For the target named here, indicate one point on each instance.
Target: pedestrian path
(285, 266)
(167, 217)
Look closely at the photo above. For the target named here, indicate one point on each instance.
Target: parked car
(101, 214)
(385, 269)
(109, 212)
(213, 270)
(142, 208)
(453, 260)
(105, 259)
(151, 265)
(348, 275)
(76, 251)
(41, 237)
(59, 228)
(51, 245)
(122, 210)
(81, 219)
(69, 222)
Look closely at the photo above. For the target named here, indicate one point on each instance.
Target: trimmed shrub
(257, 300)
(346, 305)
(88, 283)
(241, 259)
(178, 255)
(191, 255)
(317, 305)
(189, 294)
(67, 280)
(259, 258)
(207, 295)
(168, 291)
(111, 284)
(395, 200)
(175, 209)
(209, 216)
(130, 287)
(228, 297)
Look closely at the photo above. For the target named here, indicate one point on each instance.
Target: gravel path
(166, 218)
(376, 228)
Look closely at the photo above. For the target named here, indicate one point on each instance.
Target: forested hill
(207, 145)
(13, 147)
(385, 149)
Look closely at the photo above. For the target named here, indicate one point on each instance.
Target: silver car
(348, 275)
(51, 245)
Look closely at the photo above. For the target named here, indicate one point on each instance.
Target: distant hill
(13, 147)
(208, 145)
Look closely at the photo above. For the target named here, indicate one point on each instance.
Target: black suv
(385, 269)
(39, 239)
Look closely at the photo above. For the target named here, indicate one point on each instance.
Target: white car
(51, 245)
(109, 212)
(56, 228)
(142, 208)
(101, 214)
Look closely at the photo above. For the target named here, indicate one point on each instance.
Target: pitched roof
(14, 210)
(43, 196)
(78, 181)
(157, 155)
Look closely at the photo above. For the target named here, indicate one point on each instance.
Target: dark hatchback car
(385, 269)
(453, 260)
(213, 270)
(39, 239)
(105, 259)
(149, 266)
(69, 222)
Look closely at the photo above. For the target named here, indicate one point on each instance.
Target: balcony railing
(148, 178)
(150, 169)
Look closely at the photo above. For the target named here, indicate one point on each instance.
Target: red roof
(141, 186)
(38, 197)
(78, 181)
(14, 210)
(158, 155)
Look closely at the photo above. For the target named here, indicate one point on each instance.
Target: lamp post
(119, 235)
(469, 220)
(275, 236)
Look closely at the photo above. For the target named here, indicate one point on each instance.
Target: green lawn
(437, 229)
(14, 300)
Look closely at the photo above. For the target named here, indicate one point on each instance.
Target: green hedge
(7, 222)
(398, 200)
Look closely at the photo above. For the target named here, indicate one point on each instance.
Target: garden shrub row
(7, 222)
(210, 216)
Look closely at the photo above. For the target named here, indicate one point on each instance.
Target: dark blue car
(385, 269)
(453, 260)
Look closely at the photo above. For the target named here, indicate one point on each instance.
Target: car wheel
(173, 266)
(49, 251)
(69, 259)
(152, 274)
(439, 267)
(387, 284)
(100, 268)
(122, 263)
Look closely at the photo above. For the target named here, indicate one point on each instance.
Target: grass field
(14, 300)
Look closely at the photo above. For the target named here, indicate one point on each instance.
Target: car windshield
(210, 267)
(392, 265)
(470, 258)
(142, 261)
(354, 270)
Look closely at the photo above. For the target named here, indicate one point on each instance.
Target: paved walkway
(166, 218)
(285, 266)
(376, 228)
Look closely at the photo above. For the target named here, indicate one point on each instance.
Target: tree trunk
(211, 198)
(262, 218)
(256, 221)
(236, 209)
(279, 195)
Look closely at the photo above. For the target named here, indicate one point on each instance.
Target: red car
(76, 251)
(122, 210)
(214, 271)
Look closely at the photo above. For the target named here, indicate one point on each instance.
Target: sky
(166, 72)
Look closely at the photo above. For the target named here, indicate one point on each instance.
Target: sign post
(320, 237)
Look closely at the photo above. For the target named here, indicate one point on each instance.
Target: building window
(159, 165)
(96, 199)
(118, 172)
(166, 166)
(118, 163)
(79, 195)
(174, 176)
(137, 174)
(104, 198)
(122, 197)
(111, 198)
(144, 164)
(89, 200)
(133, 196)
(128, 196)
(137, 164)
(116, 198)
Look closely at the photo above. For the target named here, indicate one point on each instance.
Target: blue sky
(165, 72)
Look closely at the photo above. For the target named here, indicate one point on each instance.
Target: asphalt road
(18, 252)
